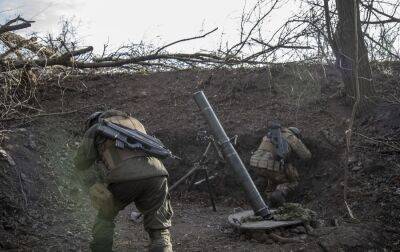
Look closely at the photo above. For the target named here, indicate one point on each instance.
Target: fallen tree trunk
(67, 60)
(11, 26)
(14, 40)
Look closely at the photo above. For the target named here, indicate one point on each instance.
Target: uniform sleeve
(87, 152)
(298, 146)
(267, 145)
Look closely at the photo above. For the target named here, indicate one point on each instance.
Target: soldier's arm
(85, 157)
(298, 147)
(87, 152)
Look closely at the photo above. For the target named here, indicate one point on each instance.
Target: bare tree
(345, 34)
(325, 28)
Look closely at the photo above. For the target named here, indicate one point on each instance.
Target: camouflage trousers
(151, 199)
(284, 181)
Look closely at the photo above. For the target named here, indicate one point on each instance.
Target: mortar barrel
(253, 195)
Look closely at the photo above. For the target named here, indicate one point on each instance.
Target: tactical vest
(112, 156)
(265, 156)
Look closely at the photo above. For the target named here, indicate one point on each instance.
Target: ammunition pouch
(291, 173)
(265, 159)
(102, 199)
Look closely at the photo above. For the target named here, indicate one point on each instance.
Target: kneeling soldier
(272, 161)
(131, 176)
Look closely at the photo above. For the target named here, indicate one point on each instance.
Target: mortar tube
(253, 195)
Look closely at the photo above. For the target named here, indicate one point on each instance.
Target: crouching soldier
(272, 161)
(132, 175)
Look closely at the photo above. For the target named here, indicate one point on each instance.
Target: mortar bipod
(200, 168)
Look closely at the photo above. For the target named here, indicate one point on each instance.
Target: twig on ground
(349, 210)
(396, 148)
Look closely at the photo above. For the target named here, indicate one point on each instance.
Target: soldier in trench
(272, 161)
(131, 176)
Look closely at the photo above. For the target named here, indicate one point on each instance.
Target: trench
(61, 215)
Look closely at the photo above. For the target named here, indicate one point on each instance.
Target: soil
(43, 206)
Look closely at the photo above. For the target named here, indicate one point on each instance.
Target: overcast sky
(153, 21)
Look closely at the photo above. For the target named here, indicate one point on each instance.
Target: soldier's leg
(280, 195)
(292, 180)
(154, 204)
(103, 229)
(103, 232)
(152, 200)
(274, 179)
(160, 240)
(287, 186)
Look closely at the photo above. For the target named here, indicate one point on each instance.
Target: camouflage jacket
(122, 165)
(265, 156)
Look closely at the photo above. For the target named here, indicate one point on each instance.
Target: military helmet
(96, 116)
(112, 112)
(275, 125)
(295, 131)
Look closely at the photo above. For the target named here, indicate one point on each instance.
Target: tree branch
(272, 48)
(386, 21)
(242, 43)
(328, 24)
(381, 46)
(10, 26)
(63, 60)
(186, 39)
(391, 18)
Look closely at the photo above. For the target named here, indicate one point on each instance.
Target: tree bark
(345, 37)
(17, 41)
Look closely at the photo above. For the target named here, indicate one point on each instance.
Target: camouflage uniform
(280, 178)
(131, 176)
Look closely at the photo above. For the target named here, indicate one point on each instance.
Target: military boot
(160, 240)
(277, 198)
